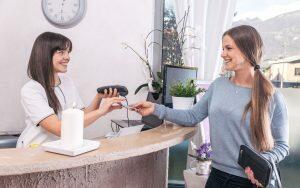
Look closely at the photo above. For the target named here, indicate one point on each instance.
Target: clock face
(64, 13)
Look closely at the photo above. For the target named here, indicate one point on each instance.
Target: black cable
(111, 126)
(127, 110)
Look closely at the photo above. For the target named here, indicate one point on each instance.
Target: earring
(226, 73)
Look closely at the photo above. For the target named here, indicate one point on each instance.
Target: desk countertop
(19, 161)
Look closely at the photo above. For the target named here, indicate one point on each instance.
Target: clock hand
(61, 10)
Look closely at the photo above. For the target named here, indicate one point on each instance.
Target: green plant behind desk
(189, 89)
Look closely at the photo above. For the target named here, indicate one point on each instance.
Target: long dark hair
(40, 66)
(250, 44)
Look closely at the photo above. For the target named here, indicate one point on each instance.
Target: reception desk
(139, 160)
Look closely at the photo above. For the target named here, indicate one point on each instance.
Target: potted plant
(156, 85)
(202, 156)
(183, 95)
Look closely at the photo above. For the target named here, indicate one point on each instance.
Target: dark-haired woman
(243, 110)
(48, 92)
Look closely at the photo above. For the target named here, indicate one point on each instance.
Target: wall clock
(64, 13)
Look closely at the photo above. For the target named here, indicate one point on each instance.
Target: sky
(264, 9)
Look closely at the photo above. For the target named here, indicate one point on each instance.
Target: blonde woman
(243, 110)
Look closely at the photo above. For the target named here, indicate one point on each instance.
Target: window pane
(171, 53)
(278, 23)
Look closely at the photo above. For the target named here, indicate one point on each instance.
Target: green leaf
(159, 75)
(140, 87)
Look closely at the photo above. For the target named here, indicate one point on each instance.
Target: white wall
(97, 58)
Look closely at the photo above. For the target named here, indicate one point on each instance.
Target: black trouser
(219, 179)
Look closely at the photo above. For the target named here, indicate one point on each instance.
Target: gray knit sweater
(224, 104)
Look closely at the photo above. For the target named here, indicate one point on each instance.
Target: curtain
(182, 7)
(209, 19)
(218, 19)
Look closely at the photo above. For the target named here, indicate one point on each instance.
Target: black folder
(260, 166)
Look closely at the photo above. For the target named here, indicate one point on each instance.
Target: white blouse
(35, 103)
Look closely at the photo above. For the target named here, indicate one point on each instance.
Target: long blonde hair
(250, 44)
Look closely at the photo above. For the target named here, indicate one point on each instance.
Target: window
(297, 71)
(171, 55)
(171, 51)
(278, 23)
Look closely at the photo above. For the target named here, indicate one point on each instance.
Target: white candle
(72, 128)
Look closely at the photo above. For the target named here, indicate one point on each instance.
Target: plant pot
(154, 97)
(203, 167)
(182, 103)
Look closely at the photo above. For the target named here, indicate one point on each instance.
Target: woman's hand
(108, 93)
(143, 108)
(251, 177)
(110, 104)
(98, 98)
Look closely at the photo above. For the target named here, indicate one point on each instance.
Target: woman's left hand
(109, 93)
(110, 104)
(251, 177)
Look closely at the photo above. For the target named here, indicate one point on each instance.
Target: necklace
(237, 87)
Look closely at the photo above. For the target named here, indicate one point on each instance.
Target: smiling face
(60, 60)
(232, 56)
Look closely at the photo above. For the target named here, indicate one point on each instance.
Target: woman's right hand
(251, 177)
(144, 108)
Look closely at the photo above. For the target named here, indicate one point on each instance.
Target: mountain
(280, 34)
